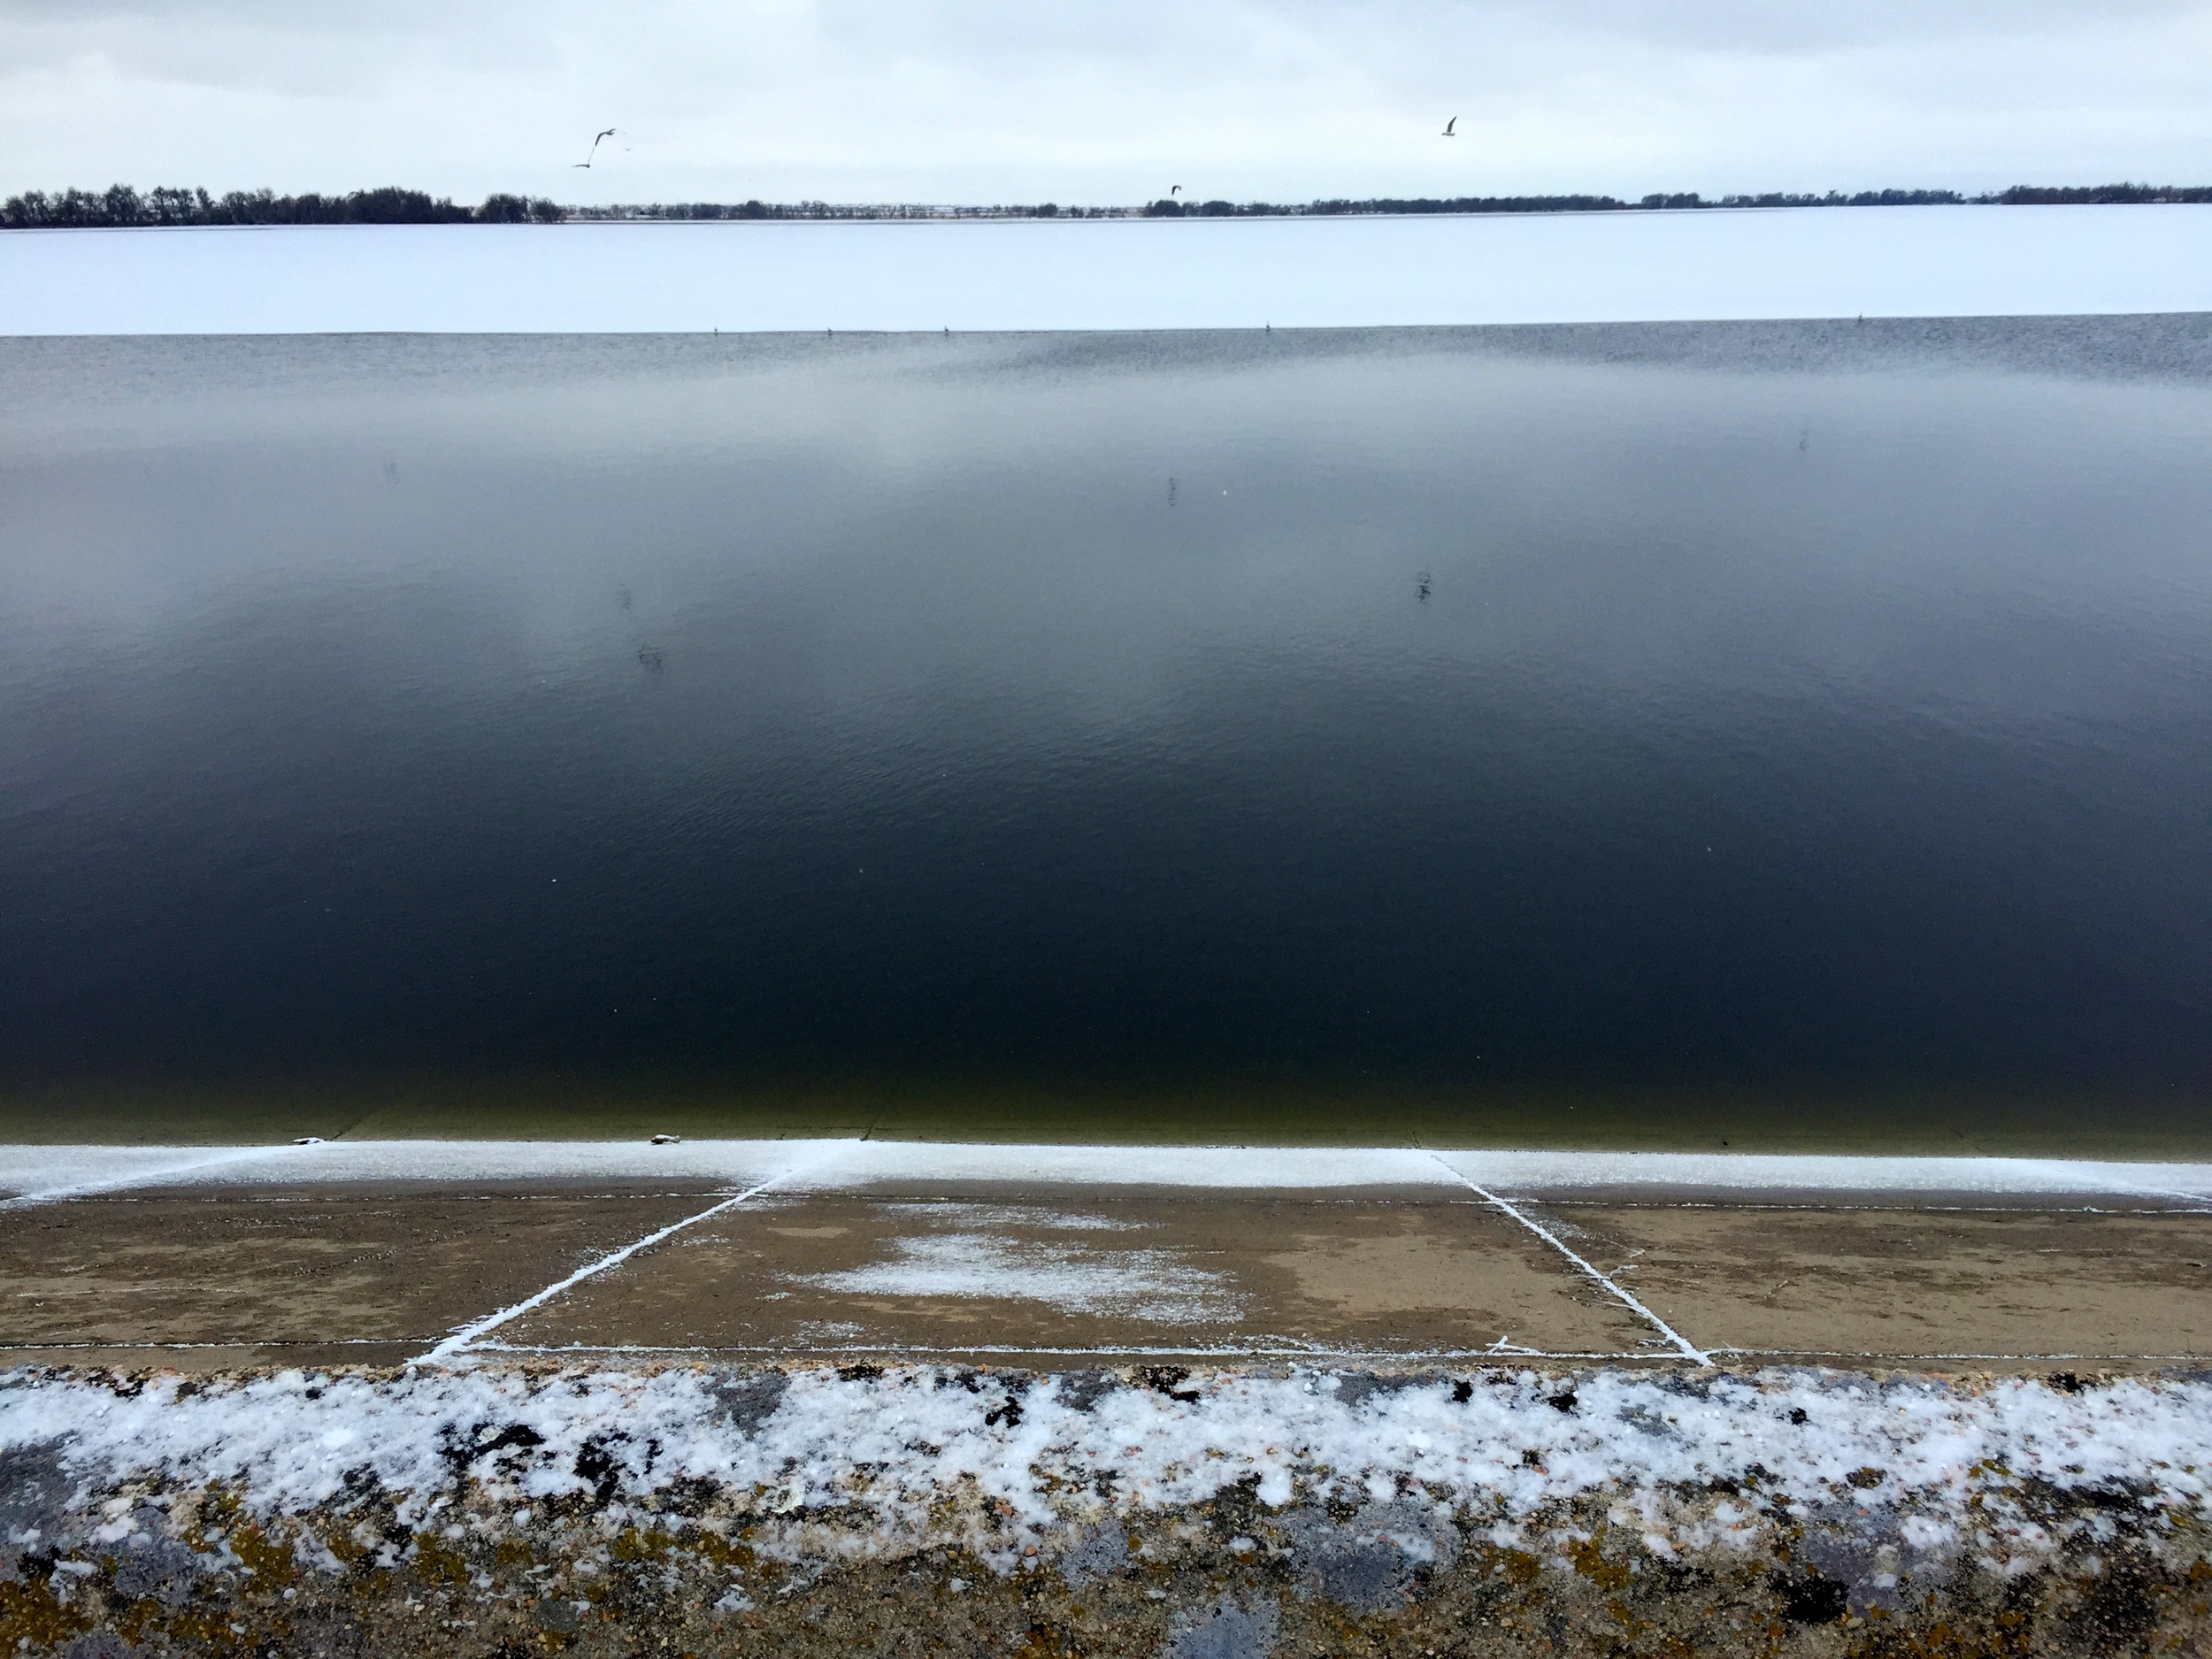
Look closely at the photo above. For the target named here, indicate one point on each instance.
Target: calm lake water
(1800, 727)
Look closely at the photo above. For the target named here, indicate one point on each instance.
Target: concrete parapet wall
(1242, 1512)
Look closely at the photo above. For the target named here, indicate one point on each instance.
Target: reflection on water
(1777, 713)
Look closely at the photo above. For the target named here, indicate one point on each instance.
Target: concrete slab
(292, 1275)
(886, 1254)
(2012, 1287)
(1107, 1272)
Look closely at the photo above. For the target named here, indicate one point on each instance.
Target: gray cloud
(1022, 100)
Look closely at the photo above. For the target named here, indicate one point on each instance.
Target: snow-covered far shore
(34, 1174)
(740, 277)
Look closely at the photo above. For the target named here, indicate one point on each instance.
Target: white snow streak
(108, 1170)
(59, 1170)
(1155, 1285)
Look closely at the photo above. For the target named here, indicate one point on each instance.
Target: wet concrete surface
(1110, 1274)
(294, 1275)
(1994, 1287)
(218, 1278)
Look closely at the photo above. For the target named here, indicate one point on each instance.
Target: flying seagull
(1175, 189)
(594, 151)
(1449, 124)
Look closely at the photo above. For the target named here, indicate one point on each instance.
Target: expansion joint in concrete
(1682, 1344)
(459, 1342)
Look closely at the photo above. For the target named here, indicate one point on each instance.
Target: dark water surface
(1800, 727)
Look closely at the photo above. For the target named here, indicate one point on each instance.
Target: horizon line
(124, 207)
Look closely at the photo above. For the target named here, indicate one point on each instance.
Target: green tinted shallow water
(1960, 1121)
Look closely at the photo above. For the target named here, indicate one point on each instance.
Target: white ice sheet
(1112, 274)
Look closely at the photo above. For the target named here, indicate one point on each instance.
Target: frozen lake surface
(1112, 274)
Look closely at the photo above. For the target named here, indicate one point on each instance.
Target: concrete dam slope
(850, 1397)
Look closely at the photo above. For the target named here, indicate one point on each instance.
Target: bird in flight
(1175, 189)
(1449, 124)
(594, 151)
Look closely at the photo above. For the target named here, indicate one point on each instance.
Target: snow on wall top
(893, 1444)
(38, 1173)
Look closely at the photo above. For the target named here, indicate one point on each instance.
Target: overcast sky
(1029, 100)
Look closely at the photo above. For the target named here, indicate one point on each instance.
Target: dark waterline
(1623, 733)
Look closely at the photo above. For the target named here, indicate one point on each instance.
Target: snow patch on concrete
(1152, 1285)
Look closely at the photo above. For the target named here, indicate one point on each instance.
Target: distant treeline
(120, 205)
(2019, 195)
(2048, 195)
(1172, 208)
